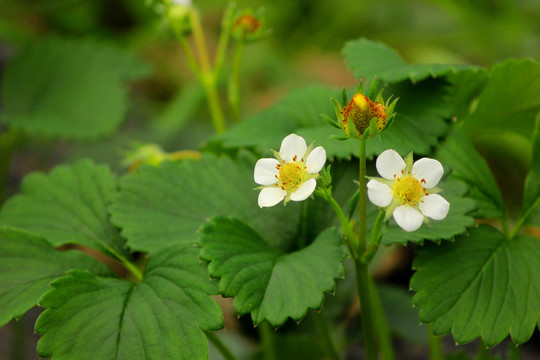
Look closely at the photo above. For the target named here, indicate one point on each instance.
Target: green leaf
(67, 89)
(513, 108)
(160, 318)
(418, 126)
(531, 196)
(67, 206)
(368, 59)
(480, 285)
(28, 264)
(468, 165)
(455, 223)
(157, 207)
(265, 282)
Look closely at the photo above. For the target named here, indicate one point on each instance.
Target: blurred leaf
(458, 356)
(418, 126)
(402, 317)
(456, 222)
(531, 196)
(481, 285)
(509, 101)
(67, 89)
(160, 318)
(157, 207)
(265, 282)
(68, 206)
(291, 346)
(466, 87)
(28, 264)
(368, 59)
(467, 165)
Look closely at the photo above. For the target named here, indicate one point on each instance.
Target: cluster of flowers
(407, 190)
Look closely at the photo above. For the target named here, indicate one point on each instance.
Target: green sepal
(337, 108)
(373, 89)
(340, 137)
(359, 89)
(409, 161)
(344, 98)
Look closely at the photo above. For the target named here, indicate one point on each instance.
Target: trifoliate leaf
(480, 285)
(467, 165)
(418, 125)
(455, 223)
(265, 282)
(67, 89)
(159, 206)
(28, 264)
(368, 59)
(512, 110)
(161, 318)
(69, 205)
(531, 196)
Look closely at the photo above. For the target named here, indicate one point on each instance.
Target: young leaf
(68, 206)
(455, 223)
(368, 59)
(531, 196)
(28, 264)
(161, 318)
(481, 285)
(467, 165)
(270, 285)
(157, 207)
(67, 89)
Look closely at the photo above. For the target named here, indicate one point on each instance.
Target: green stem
(324, 331)
(234, 84)
(223, 42)
(435, 345)
(375, 238)
(350, 236)
(381, 325)
(368, 328)
(129, 265)
(483, 351)
(188, 52)
(208, 76)
(505, 229)
(267, 341)
(220, 346)
(7, 145)
(362, 273)
(523, 218)
(302, 236)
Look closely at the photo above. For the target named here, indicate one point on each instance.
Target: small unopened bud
(360, 112)
(246, 24)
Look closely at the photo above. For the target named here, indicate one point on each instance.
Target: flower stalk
(435, 345)
(220, 346)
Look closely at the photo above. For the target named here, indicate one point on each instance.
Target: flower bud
(360, 112)
(247, 24)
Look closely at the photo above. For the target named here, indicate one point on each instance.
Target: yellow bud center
(291, 175)
(408, 190)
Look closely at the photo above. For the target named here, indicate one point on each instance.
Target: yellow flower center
(291, 175)
(408, 190)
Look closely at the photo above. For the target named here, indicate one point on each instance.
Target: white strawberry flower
(292, 175)
(182, 2)
(408, 190)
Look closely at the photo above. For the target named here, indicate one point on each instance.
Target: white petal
(304, 190)
(408, 218)
(379, 194)
(428, 169)
(266, 171)
(390, 163)
(292, 145)
(434, 206)
(271, 196)
(315, 160)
